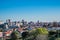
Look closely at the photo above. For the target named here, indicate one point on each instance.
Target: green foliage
(42, 31)
(57, 39)
(15, 35)
(33, 32)
(39, 31)
(54, 35)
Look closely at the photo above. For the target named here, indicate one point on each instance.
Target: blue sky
(30, 10)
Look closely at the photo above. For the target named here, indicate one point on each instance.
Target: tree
(15, 35)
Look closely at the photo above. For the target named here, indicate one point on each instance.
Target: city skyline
(30, 10)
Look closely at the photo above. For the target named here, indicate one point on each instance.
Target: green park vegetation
(40, 34)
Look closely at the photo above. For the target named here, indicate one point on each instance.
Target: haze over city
(30, 10)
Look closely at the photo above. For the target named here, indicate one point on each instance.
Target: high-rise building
(6, 26)
(9, 22)
(23, 22)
